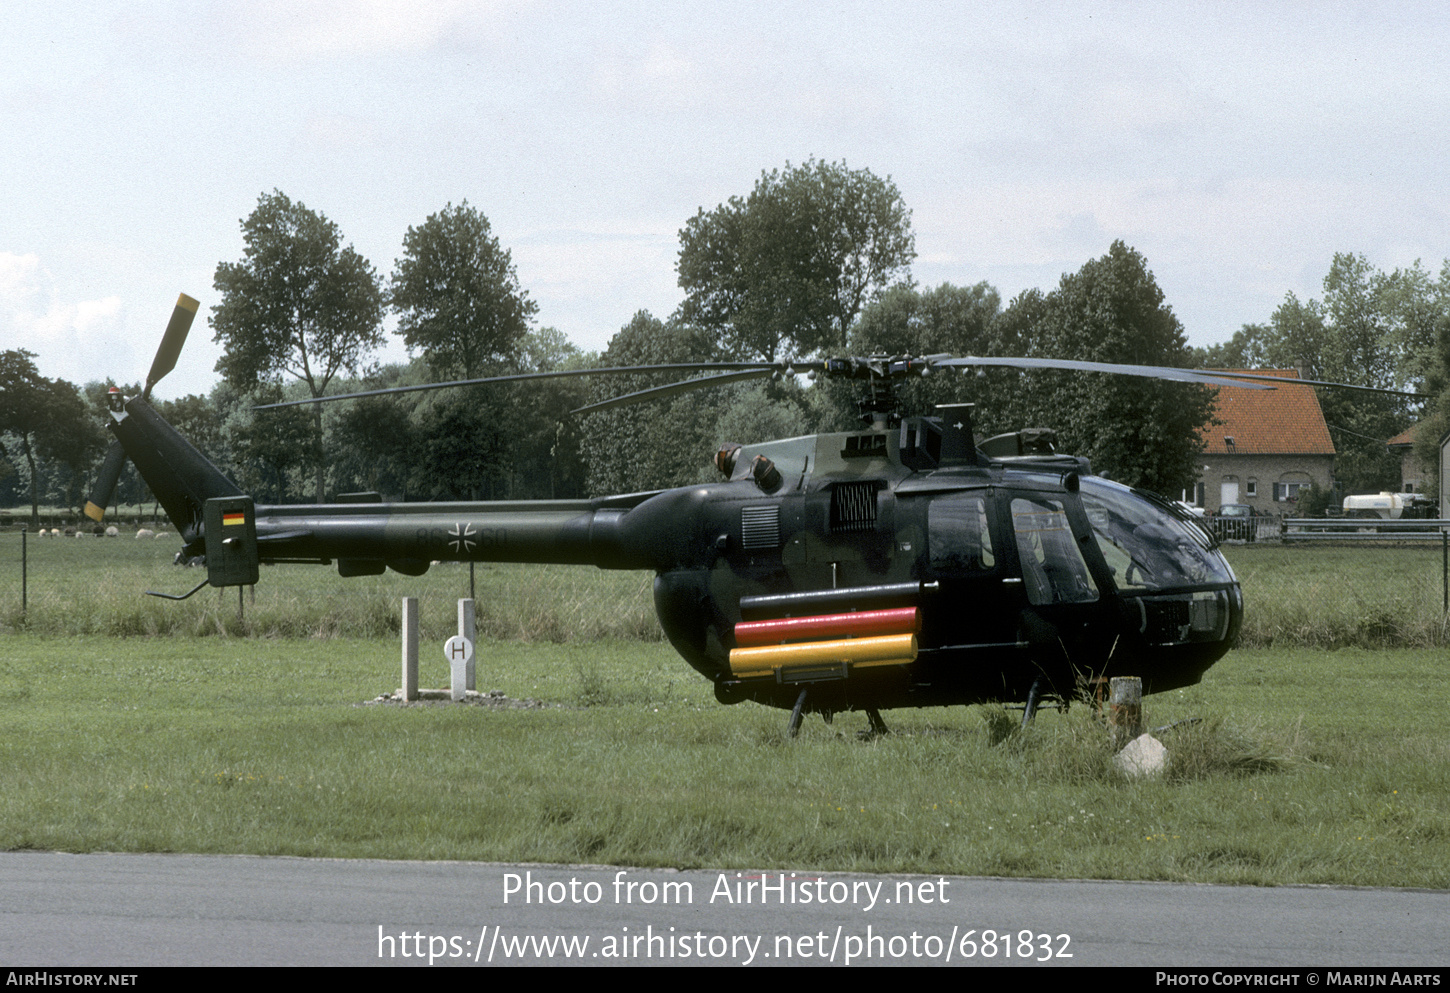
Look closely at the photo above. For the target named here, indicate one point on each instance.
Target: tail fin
(182, 478)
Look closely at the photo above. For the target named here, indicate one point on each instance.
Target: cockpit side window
(1053, 570)
(960, 535)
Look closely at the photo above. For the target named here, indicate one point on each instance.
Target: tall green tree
(460, 446)
(957, 320)
(299, 303)
(545, 438)
(1437, 383)
(787, 269)
(198, 420)
(48, 420)
(266, 450)
(1419, 305)
(457, 296)
(1141, 432)
(1360, 346)
(658, 443)
(376, 440)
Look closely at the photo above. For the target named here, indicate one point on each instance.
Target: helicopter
(904, 564)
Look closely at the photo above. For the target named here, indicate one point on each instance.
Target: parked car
(1236, 522)
(1188, 508)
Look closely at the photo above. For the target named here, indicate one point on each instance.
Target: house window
(1251, 488)
(1288, 492)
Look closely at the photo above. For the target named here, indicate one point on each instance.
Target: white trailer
(1388, 506)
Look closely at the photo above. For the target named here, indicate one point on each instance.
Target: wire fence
(97, 585)
(1385, 593)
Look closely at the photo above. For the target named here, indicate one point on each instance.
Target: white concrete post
(458, 650)
(410, 648)
(468, 628)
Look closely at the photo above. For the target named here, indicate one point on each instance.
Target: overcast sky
(1237, 146)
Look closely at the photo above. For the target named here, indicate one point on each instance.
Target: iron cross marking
(462, 533)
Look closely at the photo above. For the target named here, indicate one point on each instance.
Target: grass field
(1310, 766)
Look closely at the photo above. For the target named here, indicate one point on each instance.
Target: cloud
(66, 336)
(18, 278)
(286, 30)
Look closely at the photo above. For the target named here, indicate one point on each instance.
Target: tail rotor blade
(172, 341)
(106, 479)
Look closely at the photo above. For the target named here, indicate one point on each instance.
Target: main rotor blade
(106, 479)
(1294, 381)
(682, 386)
(742, 371)
(1213, 377)
(1147, 371)
(607, 370)
(171, 342)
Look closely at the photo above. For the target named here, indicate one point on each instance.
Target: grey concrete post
(410, 648)
(468, 628)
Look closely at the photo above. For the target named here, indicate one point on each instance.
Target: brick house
(1445, 476)
(1269, 445)
(1412, 474)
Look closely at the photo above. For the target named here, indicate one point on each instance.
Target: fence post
(468, 628)
(1125, 713)
(410, 648)
(24, 573)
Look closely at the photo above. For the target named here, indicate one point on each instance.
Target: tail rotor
(171, 343)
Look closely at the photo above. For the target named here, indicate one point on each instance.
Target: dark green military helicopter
(900, 565)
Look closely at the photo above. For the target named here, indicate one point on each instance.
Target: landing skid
(1039, 692)
(798, 713)
(878, 726)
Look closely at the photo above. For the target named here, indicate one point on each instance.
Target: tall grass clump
(1218, 747)
(1077, 748)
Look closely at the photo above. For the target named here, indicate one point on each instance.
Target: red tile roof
(1282, 421)
(1405, 437)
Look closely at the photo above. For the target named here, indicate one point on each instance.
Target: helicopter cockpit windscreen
(1145, 546)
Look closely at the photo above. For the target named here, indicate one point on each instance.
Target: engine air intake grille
(853, 507)
(760, 527)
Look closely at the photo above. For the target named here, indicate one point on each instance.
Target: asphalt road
(151, 910)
